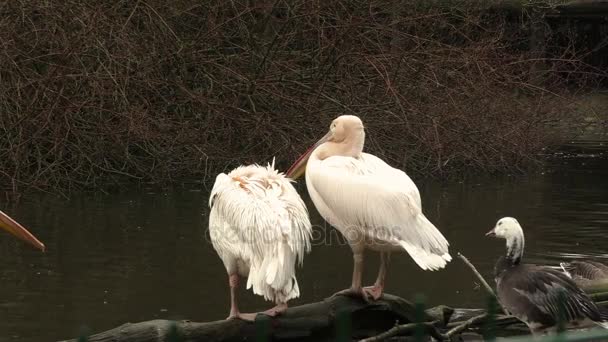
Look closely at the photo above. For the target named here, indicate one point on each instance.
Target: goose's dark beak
(491, 233)
(17, 230)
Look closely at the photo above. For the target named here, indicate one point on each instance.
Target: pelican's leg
(233, 282)
(355, 287)
(277, 310)
(376, 290)
(357, 272)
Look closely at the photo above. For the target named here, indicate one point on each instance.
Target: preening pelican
(534, 293)
(372, 204)
(259, 226)
(17, 230)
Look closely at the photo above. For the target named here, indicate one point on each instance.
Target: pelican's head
(347, 135)
(506, 228)
(345, 127)
(19, 231)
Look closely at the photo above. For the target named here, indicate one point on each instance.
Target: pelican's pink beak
(299, 167)
(19, 231)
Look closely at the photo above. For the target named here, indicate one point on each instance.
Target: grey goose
(586, 274)
(533, 293)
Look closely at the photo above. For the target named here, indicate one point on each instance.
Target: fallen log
(321, 321)
(327, 320)
(335, 318)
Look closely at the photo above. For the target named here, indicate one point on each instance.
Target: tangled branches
(94, 93)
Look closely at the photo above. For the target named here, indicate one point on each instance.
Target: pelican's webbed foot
(353, 292)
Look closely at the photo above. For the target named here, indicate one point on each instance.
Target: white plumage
(372, 204)
(259, 227)
(368, 200)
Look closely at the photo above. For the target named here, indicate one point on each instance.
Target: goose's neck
(515, 249)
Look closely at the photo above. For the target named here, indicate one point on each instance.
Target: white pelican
(372, 204)
(534, 293)
(19, 231)
(259, 226)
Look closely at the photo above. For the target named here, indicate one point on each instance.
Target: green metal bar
(569, 336)
(489, 327)
(84, 334)
(343, 326)
(262, 328)
(562, 316)
(419, 331)
(173, 334)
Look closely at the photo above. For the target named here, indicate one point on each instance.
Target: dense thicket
(93, 92)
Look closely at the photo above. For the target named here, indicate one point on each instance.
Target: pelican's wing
(268, 218)
(548, 289)
(368, 194)
(226, 243)
(233, 250)
(298, 230)
(241, 203)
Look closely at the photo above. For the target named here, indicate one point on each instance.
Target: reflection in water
(145, 255)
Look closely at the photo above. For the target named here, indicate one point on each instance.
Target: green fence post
(489, 327)
(84, 335)
(561, 315)
(262, 328)
(173, 334)
(343, 326)
(419, 331)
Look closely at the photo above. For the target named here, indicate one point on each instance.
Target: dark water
(144, 255)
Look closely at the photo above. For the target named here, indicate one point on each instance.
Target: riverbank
(95, 96)
(591, 111)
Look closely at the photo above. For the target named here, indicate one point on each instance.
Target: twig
(460, 328)
(408, 328)
(481, 279)
(429, 327)
(140, 87)
(477, 274)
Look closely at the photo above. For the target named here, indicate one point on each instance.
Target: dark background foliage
(93, 93)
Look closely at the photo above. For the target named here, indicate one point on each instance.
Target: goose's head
(509, 229)
(506, 228)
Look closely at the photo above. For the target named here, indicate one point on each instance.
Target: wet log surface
(320, 321)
